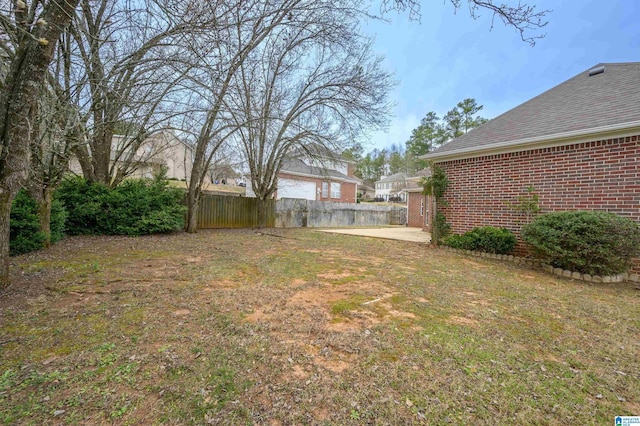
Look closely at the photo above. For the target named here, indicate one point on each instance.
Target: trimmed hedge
(25, 234)
(589, 242)
(135, 207)
(487, 239)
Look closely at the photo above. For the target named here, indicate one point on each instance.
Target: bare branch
(522, 16)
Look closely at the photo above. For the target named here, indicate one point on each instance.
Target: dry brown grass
(302, 327)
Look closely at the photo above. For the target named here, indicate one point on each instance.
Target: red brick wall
(347, 193)
(414, 218)
(598, 175)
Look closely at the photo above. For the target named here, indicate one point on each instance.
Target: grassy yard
(302, 327)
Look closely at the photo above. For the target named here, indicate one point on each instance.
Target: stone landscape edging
(548, 268)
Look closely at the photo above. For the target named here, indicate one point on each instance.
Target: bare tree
(123, 64)
(314, 86)
(29, 31)
(241, 27)
(57, 133)
(224, 164)
(60, 130)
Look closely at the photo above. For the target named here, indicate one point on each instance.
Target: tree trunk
(198, 174)
(43, 197)
(84, 158)
(18, 111)
(44, 211)
(6, 199)
(262, 212)
(101, 157)
(193, 202)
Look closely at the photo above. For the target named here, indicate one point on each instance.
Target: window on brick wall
(421, 207)
(426, 212)
(325, 189)
(335, 190)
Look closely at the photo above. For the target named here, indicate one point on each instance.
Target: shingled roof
(585, 104)
(393, 178)
(296, 166)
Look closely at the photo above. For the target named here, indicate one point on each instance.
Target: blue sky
(448, 57)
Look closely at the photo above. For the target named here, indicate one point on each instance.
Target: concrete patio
(401, 233)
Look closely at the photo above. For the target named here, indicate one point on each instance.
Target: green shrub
(590, 242)
(58, 221)
(495, 240)
(135, 207)
(462, 242)
(83, 202)
(487, 239)
(25, 234)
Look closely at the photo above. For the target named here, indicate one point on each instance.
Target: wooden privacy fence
(398, 217)
(220, 211)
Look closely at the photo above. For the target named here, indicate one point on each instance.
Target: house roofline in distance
(327, 177)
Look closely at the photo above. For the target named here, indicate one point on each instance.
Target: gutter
(323, 177)
(413, 189)
(557, 139)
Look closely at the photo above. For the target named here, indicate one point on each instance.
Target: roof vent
(596, 70)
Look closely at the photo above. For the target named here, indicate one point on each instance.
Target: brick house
(576, 144)
(322, 177)
(366, 192)
(417, 203)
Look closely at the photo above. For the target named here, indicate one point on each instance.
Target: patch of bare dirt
(336, 366)
(317, 298)
(299, 372)
(463, 321)
(357, 321)
(401, 314)
(335, 275)
(308, 309)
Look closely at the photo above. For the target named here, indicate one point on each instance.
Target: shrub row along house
(576, 146)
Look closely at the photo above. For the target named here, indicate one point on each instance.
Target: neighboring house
(160, 149)
(322, 178)
(417, 203)
(576, 144)
(167, 150)
(391, 187)
(366, 192)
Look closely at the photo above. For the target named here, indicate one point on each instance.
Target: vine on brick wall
(527, 204)
(435, 186)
